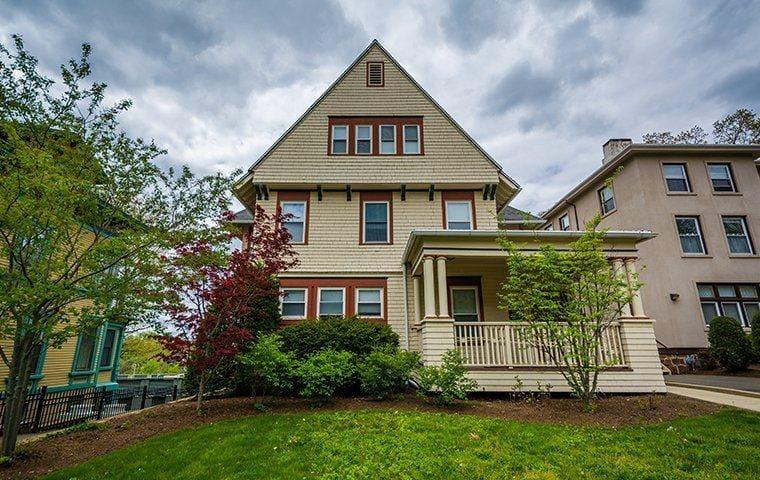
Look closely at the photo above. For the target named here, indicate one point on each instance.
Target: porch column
(416, 297)
(427, 275)
(619, 269)
(637, 306)
(443, 295)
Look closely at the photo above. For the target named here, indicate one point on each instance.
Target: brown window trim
(736, 298)
(382, 74)
(454, 195)
(312, 286)
(352, 121)
(376, 197)
(465, 282)
(297, 196)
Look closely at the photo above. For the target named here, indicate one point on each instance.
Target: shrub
(728, 344)
(266, 367)
(384, 371)
(350, 334)
(448, 381)
(754, 336)
(324, 373)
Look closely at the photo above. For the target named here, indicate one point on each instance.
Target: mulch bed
(58, 451)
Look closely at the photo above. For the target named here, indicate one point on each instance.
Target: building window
(739, 301)
(331, 302)
(458, 215)
(721, 178)
(109, 347)
(737, 235)
(690, 234)
(293, 303)
(86, 351)
(369, 302)
(676, 179)
(411, 139)
(375, 74)
(295, 224)
(549, 228)
(376, 222)
(564, 222)
(364, 140)
(607, 199)
(339, 139)
(387, 139)
(464, 304)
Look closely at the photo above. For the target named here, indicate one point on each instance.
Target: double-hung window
(720, 177)
(606, 199)
(690, 235)
(376, 222)
(737, 235)
(295, 222)
(331, 302)
(293, 303)
(86, 351)
(676, 179)
(369, 302)
(364, 140)
(740, 301)
(564, 222)
(387, 139)
(339, 140)
(109, 348)
(411, 139)
(464, 303)
(458, 215)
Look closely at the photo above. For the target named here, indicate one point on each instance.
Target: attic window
(375, 74)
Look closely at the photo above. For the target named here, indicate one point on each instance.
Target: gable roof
(332, 86)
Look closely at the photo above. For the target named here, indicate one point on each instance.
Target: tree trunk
(16, 393)
(199, 401)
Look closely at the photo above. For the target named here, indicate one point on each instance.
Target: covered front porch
(456, 279)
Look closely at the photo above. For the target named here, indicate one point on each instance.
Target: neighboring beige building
(395, 217)
(703, 202)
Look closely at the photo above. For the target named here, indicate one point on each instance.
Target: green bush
(754, 336)
(448, 381)
(728, 344)
(384, 371)
(326, 372)
(350, 334)
(266, 367)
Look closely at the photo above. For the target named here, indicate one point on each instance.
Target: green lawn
(395, 445)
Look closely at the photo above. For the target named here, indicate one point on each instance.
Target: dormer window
(339, 139)
(375, 74)
(364, 140)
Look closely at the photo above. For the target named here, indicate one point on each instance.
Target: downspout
(575, 214)
(406, 311)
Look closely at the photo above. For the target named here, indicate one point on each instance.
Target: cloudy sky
(541, 85)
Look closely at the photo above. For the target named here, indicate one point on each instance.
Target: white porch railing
(511, 344)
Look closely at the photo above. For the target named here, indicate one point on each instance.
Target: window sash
(387, 145)
(676, 179)
(339, 140)
(109, 347)
(455, 220)
(463, 312)
(86, 352)
(564, 222)
(607, 198)
(296, 225)
(691, 241)
(368, 307)
(293, 307)
(721, 178)
(739, 301)
(331, 306)
(709, 309)
(364, 141)
(737, 235)
(411, 139)
(376, 230)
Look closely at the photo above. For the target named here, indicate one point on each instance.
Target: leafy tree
(141, 355)
(567, 299)
(84, 214)
(694, 135)
(740, 127)
(210, 296)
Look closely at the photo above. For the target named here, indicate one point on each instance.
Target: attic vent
(375, 74)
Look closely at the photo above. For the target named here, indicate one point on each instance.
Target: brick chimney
(613, 146)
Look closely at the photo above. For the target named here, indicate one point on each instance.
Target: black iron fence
(44, 410)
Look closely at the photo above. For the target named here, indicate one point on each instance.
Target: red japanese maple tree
(210, 293)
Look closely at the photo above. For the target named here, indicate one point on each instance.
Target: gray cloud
(741, 87)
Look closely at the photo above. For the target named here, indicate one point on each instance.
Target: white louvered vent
(375, 74)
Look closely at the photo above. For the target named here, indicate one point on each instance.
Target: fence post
(174, 393)
(38, 413)
(101, 402)
(144, 397)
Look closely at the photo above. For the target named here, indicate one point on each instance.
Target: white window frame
(332, 140)
(685, 177)
(380, 133)
(469, 211)
(419, 141)
(305, 303)
(730, 177)
(356, 139)
(476, 289)
(319, 299)
(387, 221)
(293, 241)
(745, 228)
(566, 216)
(612, 197)
(717, 309)
(699, 234)
(382, 300)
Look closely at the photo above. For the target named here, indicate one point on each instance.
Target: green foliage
(86, 426)
(728, 344)
(140, 355)
(267, 367)
(740, 127)
(384, 371)
(448, 381)
(754, 336)
(326, 372)
(351, 334)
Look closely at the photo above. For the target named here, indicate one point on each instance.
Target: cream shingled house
(394, 214)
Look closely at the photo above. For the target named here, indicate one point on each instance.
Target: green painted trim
(117, 353)
(63, 388)
(95, 355)
(119, 329)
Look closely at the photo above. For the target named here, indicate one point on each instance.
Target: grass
(398, 444)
